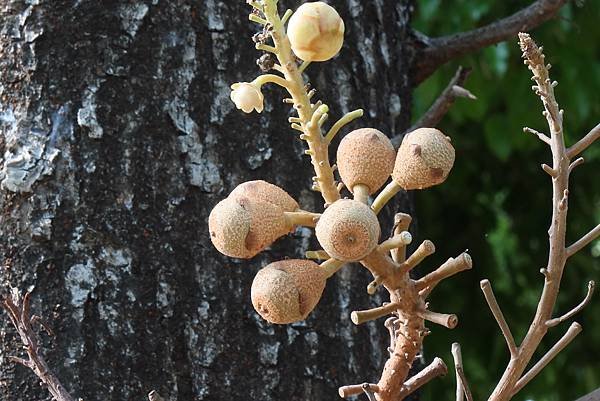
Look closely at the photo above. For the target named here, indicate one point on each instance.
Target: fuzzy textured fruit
(316, 32)
(348, 230)
(365, 156)
(241, 227)
(265, 192)
(424, 159)
(287, 291)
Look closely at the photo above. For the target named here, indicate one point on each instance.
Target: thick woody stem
(317, 145)
(433, 370)
(438, 51)
(565, 340)
(486, 287)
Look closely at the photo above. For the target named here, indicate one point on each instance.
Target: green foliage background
(496, 202)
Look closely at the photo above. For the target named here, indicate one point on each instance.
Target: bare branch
(360, 317)
(18, 308)
(438, 51)
(584, 142)
(446, 320)
(576, 163)
(448, 269)
(543, 137)
(593, 396)
(585, 240)
(426, 248)
(433, 370)
(462, 386)
(486, 287)
(575, 310)
(401, 223)
(440, 107)
(356, 389)
(573, 331)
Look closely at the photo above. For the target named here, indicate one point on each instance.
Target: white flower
(247, 97)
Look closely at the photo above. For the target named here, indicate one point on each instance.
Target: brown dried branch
(450, 321)
(448, 269)
(585, 240)
(513, 379)
(565, 340)
(433, 370)
(426, 248)
(584, 142)
(575, 310)
(593, 396)
(356, 389)
(18, 309)
(401, 223)
(440, 107)
(438, 51)
(462, 386)
(363, 316)
(486, 287)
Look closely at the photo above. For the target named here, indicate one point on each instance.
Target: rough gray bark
(118, 137)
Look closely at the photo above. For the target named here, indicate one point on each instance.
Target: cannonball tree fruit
(348, 230)
(316, 32)
(365, 156)
(287, 291)
(424, 159)
(265, 192)
(241, 227)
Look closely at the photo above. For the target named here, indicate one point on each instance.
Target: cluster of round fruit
(257, 213)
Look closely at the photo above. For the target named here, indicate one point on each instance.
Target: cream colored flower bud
(242, 227)
(316, 32)
(348, 230)
(287, 291)
(247, 97)
(265, 192)
(365, 156)
(424, 159)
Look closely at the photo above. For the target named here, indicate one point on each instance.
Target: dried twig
(575, 310)
(514, 378)
(584, 142)
(440, 107)
(486, 287)
(18, 309)
(462, 386)
(438, 51)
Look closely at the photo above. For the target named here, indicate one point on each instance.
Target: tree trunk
(118, 137)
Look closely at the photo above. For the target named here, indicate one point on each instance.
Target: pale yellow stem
(385, 196)
(317, 146)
